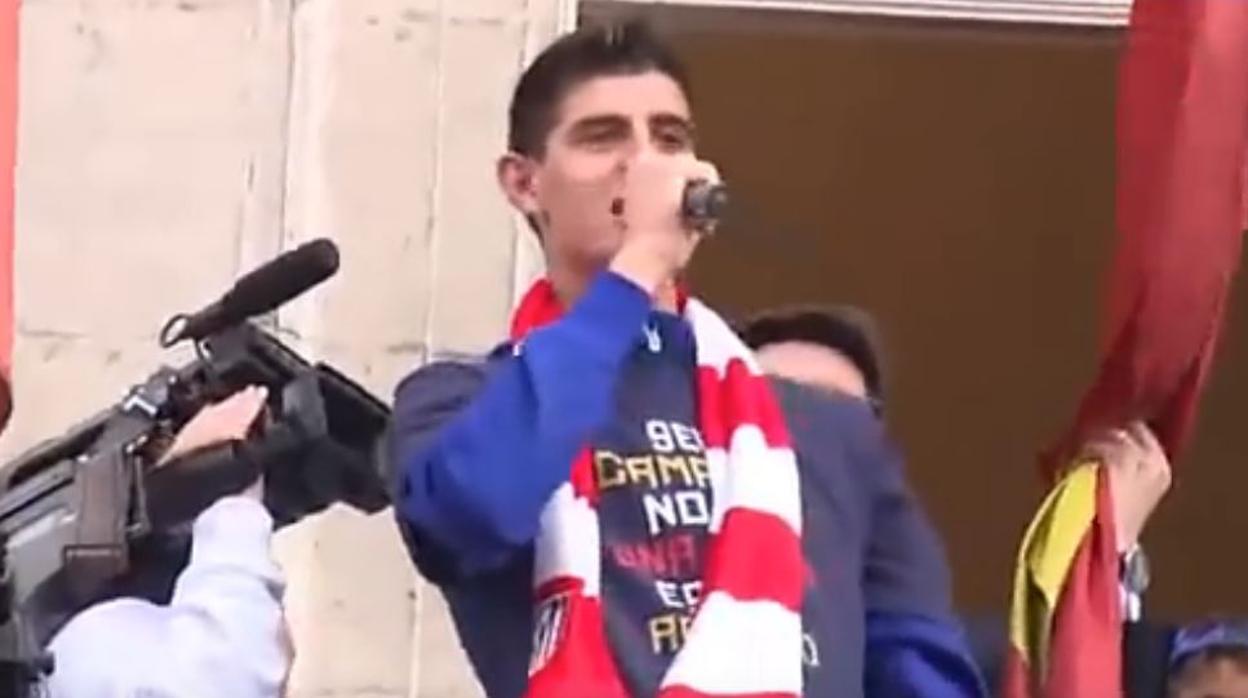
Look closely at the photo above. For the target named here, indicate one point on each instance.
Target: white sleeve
(221, 635)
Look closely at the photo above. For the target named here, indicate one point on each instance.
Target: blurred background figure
(1210, 660)
(833, 348)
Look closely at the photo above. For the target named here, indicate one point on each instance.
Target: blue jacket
(479, 448)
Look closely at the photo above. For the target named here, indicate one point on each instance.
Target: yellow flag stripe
(1045, 558)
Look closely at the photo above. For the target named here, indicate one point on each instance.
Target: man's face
(601, 125)
(813, 365)
(1214, 678)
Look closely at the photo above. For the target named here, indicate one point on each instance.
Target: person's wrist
(1126, 541)
(1130, 523)
(640, 267)
(255, 490)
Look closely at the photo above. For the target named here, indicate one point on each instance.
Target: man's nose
(637, 149)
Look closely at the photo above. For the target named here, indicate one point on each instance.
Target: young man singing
(616, 502)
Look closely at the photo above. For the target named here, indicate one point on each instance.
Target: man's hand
(1139, 476)
(658, 242)
(228, 420)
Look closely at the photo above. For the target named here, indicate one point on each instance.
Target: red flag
(8, 157)
(1182, 150)
(1182, 153)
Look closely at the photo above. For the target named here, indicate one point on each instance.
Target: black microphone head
(282, 279)
(704, 203)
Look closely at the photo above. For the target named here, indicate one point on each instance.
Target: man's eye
(599, 136)
(674, 140)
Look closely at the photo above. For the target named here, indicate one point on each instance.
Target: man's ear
(517, 176)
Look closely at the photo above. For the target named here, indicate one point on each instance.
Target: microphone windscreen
(282, 279)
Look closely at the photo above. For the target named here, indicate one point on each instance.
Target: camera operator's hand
(658, 241)
(221, 632)
(1139, 476)
(228, 420)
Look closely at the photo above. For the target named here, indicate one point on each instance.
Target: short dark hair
(845, 329)
(624, 48)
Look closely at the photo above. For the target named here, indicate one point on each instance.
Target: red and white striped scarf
(745, 639)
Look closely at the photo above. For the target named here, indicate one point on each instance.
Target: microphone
(259, 291)
(704, 203)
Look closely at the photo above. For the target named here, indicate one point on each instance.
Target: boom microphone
(259, 291)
